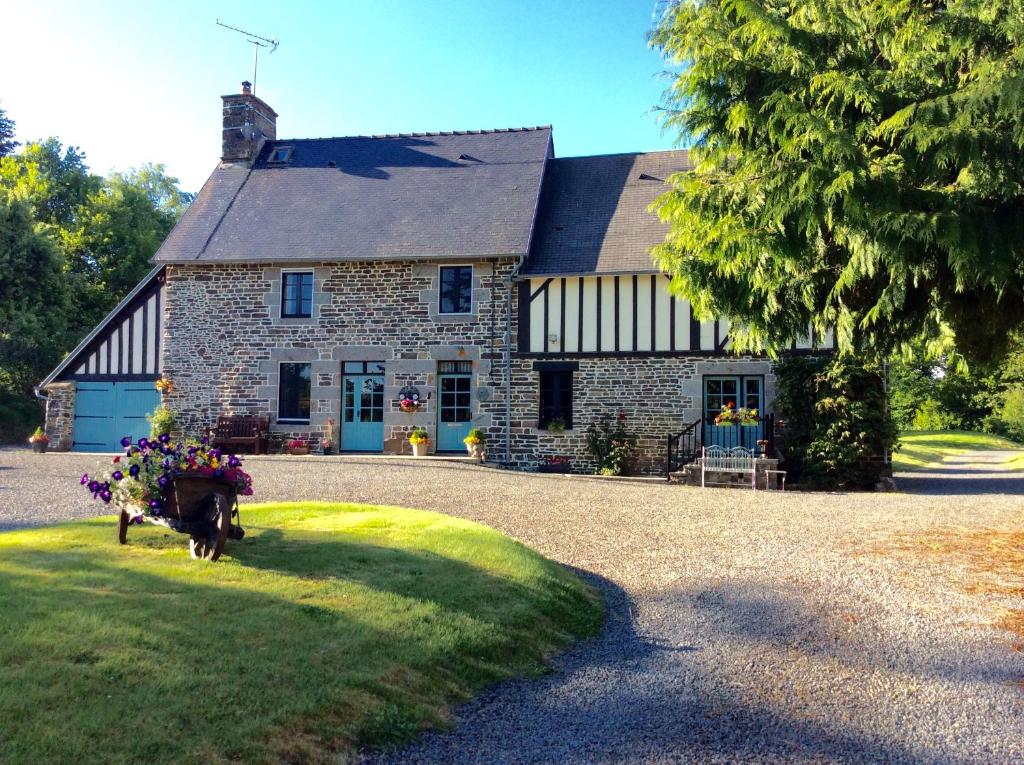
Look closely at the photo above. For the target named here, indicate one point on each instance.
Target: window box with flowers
(297, 447)
(555, 464)
(730, 416)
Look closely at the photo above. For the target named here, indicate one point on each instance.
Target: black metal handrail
(683, 448)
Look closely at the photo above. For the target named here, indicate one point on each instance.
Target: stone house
(322, 281)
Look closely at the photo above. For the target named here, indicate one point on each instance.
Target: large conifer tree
(860, 166)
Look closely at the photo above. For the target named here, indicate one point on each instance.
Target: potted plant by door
(420, 441)
(475, 443)
(39, 440)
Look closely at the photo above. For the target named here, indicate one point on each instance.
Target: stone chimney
(248, 122)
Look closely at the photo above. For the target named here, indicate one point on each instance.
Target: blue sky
(134, 82)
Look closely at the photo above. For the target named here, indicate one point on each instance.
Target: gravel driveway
(743, 627)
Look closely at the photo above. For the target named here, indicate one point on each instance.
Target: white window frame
(472, 299)
(277, 413)
(312, 305)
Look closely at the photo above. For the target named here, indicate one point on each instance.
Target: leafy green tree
(7, 142)
(859, 165)
(32, 299)
(53, 179)
(837, 426)
(115, 233)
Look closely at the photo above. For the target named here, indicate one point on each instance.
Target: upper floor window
(456, 289)
(297, 294)
(280, 154)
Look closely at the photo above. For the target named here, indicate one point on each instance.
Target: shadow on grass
(275, 653)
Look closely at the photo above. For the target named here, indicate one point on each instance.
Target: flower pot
(476, 451)
(39, 447)
(420, 450)
(298, 451)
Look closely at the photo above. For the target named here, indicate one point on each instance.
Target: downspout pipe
(508, 364)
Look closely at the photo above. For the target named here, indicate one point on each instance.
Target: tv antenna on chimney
(257, 43)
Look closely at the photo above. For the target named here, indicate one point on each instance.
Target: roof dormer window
(280, 155)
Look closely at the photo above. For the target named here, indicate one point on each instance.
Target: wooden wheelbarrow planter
(198, 505)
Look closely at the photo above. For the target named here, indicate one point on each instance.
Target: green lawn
(920, 448)
(327, 627)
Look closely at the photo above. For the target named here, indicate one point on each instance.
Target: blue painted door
(740, 392)
(106, 412)
(454, 412)
(362, 416)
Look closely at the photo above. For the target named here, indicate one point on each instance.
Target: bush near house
(19, 416)
(837, 422)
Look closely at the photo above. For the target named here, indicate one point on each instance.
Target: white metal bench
(718, 459)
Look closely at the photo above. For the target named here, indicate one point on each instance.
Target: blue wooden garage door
(106, 412)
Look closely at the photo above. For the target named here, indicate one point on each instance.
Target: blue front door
(454, 411)
(739, 392)
(106, 412)
(362, 416)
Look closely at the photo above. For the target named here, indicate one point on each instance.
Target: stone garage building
(319, 280)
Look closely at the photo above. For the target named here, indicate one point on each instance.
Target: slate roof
(420, 195)
(593, 214)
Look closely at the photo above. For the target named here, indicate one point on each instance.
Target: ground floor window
(293, 393)
(555, 398)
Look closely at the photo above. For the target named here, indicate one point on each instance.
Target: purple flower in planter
(164, 438)
(126, 441)
(192, 450)
(143, 443)
(133, 471)
(168, 462)
(154, 504)
(106, 496)
(233, 461)
(84, 480)
(204, 440)
(218, 473)
(162, 481)
(137, 519)
(94, 486)
(105, 486)
(117, 475)
(215, 454)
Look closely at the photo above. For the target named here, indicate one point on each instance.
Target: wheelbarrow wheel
(210, 546)
(122, 527)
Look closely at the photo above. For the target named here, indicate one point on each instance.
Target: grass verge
(328, 627)
(921, 448)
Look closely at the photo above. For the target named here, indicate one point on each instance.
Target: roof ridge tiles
(436, 133)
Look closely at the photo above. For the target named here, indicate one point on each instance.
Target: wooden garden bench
(718, 459)
(241, 430)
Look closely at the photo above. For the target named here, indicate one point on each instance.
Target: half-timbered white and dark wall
(601, 335)
(104, 389)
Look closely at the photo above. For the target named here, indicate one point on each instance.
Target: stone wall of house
(659, 395)
(224, 340)
(60, 415)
